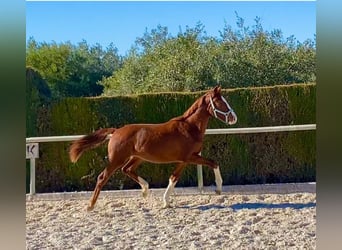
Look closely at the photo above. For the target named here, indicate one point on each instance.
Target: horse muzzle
(229, 117)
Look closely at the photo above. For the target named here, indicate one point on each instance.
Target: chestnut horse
(178, 140)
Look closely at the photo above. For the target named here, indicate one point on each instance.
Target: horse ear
(217, 90)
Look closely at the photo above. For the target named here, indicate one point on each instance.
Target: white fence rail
(199, 167)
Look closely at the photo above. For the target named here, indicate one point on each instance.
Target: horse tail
(92, 140)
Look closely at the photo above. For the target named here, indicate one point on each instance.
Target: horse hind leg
(102, 179)
(144, 185)
(129, 170)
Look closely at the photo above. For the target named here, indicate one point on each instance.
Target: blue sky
(122, 22)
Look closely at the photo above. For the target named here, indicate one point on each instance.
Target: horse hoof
(166, 206)
(218, 192)
(145, 194)
(89, 208)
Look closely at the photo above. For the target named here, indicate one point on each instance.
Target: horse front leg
(218, 180)
(197, 159)
(172, 183)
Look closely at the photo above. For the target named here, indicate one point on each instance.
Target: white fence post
(32, 152)
(200, 177)
(32, 176)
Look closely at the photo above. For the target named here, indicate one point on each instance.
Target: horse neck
(198, 115)
(200, 119)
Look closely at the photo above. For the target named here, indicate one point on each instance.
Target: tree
(160, 62)
(188, 61)
(247, 56)
(73, 70)
(254, 57)
(50, 60)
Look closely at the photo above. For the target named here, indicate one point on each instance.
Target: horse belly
(163, 148)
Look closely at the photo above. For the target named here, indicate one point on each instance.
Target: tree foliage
(188, 61)
(72, 70)
(192, 60)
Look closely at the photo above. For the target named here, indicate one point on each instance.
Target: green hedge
(38, 98)
(245, 158)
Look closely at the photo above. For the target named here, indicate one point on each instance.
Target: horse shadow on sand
(254, 205)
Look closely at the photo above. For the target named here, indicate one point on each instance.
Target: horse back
(165, 142)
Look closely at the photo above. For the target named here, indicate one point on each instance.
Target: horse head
(219, 108)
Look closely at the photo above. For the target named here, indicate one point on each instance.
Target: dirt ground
(202, 221)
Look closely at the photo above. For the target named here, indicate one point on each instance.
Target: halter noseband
(225, 114)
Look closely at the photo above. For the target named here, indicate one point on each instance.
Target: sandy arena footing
(276, 216)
